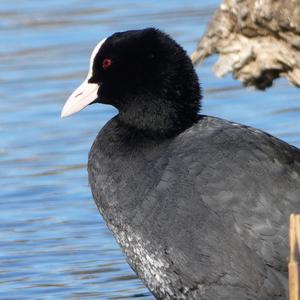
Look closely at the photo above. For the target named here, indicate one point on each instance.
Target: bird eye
(106, 63)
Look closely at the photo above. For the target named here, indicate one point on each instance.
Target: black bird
(198, 204)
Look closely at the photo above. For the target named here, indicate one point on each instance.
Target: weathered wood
(257, 40)
(294, 235)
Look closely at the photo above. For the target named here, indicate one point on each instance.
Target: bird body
(198, 204)
(204, 213)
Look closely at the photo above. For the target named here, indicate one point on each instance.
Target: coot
(198, 204)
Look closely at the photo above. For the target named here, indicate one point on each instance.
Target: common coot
(198, 204)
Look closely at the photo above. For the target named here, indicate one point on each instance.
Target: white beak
(86, 93)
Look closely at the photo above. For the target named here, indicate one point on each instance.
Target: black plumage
(199, 205)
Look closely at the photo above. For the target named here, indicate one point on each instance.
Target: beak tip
(63, 113)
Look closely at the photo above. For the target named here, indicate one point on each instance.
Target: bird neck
(157, 117)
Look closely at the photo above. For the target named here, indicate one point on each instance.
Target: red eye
(106, 63)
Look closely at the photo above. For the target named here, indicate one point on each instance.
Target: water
(53, 242)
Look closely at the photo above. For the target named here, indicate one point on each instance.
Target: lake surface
(53, 242)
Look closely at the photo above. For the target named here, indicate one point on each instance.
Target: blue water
(53, 242)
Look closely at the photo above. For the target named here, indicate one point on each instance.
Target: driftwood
(257, 40)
